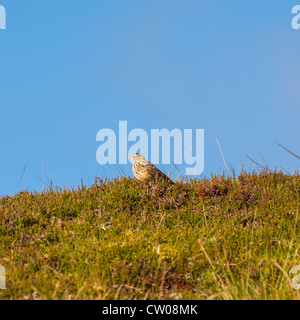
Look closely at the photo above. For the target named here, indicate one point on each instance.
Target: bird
(145, 171)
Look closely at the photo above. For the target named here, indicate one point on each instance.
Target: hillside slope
(218, 238)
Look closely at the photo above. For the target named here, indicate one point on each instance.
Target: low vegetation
(216, 238)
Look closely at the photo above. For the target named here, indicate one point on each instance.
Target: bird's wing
(157, 172)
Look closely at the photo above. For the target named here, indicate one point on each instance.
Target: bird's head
(136, 158)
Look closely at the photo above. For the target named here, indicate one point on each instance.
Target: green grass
(218, 238)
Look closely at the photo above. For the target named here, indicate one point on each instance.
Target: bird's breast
(142, 172)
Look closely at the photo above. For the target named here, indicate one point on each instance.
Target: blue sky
(70, 68)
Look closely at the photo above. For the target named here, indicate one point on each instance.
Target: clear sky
(70, 68)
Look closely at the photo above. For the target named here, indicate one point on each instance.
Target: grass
(218, 238)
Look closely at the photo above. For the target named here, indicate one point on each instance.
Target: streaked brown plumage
(145, 171)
